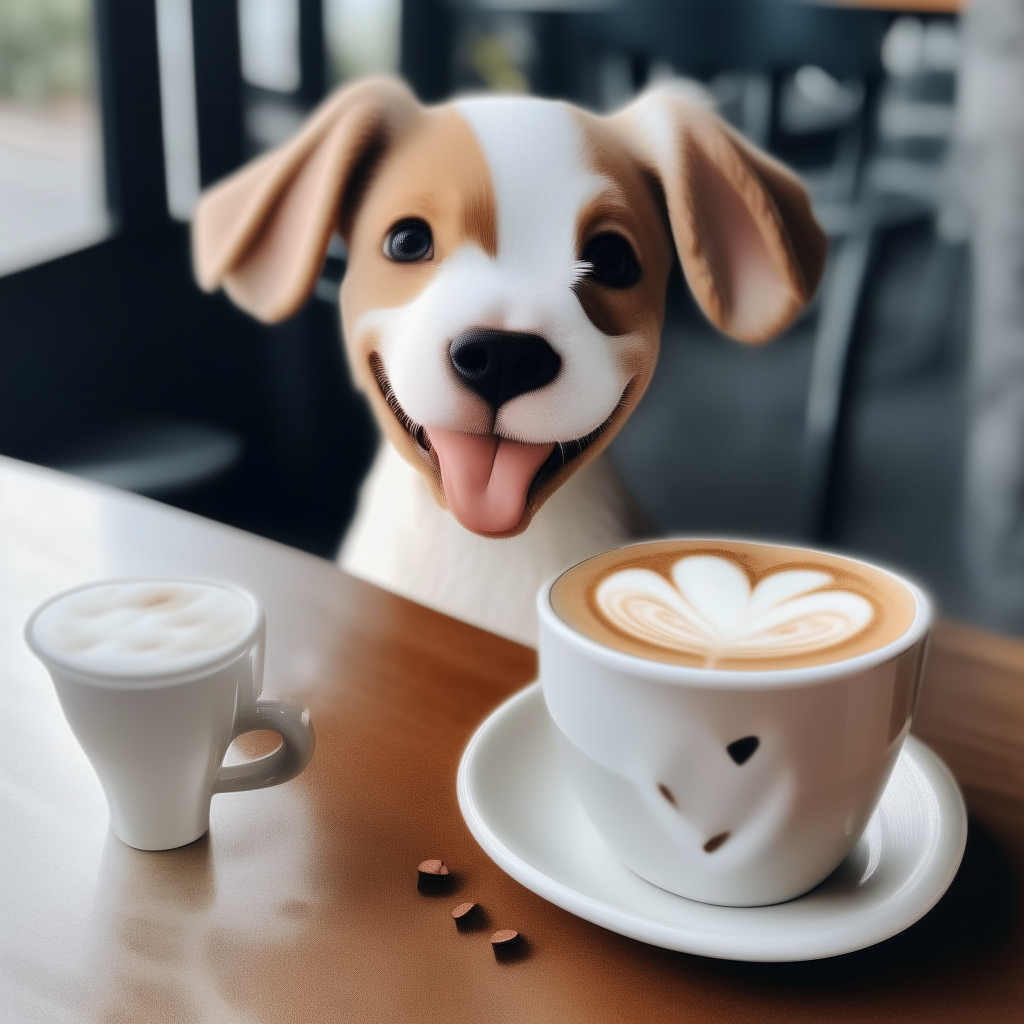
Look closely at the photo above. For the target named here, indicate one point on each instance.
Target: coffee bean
(434, 877)
(432, 867)
(507, 945)
(470, 917)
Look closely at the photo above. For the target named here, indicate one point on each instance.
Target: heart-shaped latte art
(710, 610)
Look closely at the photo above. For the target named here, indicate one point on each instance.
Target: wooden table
(906, 6)
(301, 904)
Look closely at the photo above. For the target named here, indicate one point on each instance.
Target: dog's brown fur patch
(630, 208)
(436, 172)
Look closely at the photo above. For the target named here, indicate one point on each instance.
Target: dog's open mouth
(487, 479)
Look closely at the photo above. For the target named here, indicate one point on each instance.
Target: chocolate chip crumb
(434, 877)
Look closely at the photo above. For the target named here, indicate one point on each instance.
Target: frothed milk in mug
(132, 629)
(730, 711)
(156, 678)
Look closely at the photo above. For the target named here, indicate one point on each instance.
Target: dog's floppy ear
(750, 247)
(262, 233)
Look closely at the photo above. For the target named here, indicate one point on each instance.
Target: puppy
(502, 307)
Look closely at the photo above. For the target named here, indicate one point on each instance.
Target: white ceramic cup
(155, 716)
(646, 745)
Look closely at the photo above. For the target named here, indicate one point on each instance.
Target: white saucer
(518, 804)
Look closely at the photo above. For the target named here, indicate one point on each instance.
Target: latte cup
(729, 713)
(156, 678)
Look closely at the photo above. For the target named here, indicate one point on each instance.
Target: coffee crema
(143, 628)
(733, 604)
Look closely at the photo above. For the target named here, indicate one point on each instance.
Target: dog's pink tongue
(486, 479)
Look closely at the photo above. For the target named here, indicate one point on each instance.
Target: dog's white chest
(403, 541)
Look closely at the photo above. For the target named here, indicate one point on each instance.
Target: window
(51, 165)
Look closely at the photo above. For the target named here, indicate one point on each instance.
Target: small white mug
(156, 677)
(738, 787)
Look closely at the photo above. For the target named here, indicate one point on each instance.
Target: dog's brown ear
(262, 233)
(750, 247)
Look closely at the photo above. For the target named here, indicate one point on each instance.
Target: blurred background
(868, 427)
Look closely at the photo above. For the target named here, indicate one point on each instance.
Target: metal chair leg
(826, 395)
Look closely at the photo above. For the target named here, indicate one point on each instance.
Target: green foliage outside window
(45, 49)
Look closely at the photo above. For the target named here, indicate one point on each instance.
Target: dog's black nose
(498, 365)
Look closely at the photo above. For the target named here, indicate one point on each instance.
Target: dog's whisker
(567, 451)
(580, 269)
(415, 429)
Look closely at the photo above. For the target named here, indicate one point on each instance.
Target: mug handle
(292, 724)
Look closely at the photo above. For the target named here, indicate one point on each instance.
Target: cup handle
(292, 724)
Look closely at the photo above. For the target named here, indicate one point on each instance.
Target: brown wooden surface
(301, 905)
(906, 6)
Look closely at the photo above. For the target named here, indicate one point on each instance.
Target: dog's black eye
(409, 241)
(612, 261)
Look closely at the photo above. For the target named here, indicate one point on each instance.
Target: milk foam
(710, 610)
(143, 628)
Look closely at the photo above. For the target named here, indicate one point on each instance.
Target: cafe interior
(852, 430)
(886, 423)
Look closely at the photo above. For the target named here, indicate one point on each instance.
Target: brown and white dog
(502, 307)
